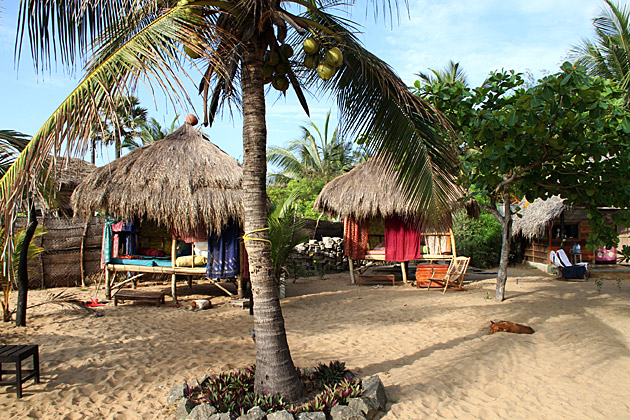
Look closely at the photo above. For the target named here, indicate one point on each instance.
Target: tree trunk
(117, 146)
(22, 274)
(275, 371)
(506, 233)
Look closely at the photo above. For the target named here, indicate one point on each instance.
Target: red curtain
(403, 241)
(355, 238)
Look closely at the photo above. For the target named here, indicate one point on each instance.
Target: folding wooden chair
(454, 276)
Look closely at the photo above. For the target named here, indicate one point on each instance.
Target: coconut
(282, 68)
(267, 70)
(325, 71)
(191, 53)
(334, 57)
(286, 50)
(311, 61)
(272, 58)
(311, 46)
(280, 83)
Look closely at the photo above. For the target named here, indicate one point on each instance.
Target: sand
(432, 351)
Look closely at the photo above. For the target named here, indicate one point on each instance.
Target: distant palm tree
(450, 74)
(314, 155)
(608, 55)
(11, 144)
(150, 132)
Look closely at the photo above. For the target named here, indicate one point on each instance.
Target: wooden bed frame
(403, 265)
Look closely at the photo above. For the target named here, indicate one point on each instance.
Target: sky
(482, 35)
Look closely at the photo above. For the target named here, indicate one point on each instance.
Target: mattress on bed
(144, 261)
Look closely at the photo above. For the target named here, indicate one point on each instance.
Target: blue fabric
(224, 251)
(146, 262)
(107, 244)
(130, 242)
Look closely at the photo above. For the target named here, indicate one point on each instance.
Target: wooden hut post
(239, 279)
(82, 255)
(108, 285)
(403, 267)
(351, 263)
(173, 276)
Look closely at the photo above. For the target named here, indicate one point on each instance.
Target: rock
(254, 413)
(221, 416)
(368, 406)
(183, 408)
(315, 415)
(373, 389)
(344, 412)
(178, 392)
(201, 412)
(281, 415)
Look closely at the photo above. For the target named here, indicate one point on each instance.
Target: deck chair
(454, 276)
(567, 270)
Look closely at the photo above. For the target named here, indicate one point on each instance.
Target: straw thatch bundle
(182, 182)
(537, 216)
(371, 190)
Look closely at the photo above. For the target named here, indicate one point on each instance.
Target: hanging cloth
(107, 244)
(403, 241)
(355, 237)
(224, 251)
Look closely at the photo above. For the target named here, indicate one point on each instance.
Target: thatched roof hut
(370, 190)
(537, 217)
(182, 182)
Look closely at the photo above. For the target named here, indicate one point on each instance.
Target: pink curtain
(402, 240)
(355, 238)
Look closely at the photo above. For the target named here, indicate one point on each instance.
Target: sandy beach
(432, 351)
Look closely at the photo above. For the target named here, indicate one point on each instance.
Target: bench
(17, 354)
(141, 296)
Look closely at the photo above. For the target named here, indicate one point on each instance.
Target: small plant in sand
(599, 283)
(619, 283)
(326, 386)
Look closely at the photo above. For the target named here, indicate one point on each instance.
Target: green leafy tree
(150, 132)
(608, 55)
(305, 192)
(452, 73)
(568, 136)
(239, 46)
(317, 154)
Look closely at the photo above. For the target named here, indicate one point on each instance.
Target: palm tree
(313, 155)
(151, 131)
(11, 144)
(148, 40)
(452, 73)
(608, 55)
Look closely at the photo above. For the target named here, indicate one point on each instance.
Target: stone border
(366, 407)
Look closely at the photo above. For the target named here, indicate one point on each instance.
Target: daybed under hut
(381, 223)
(549, 224)
(182, 186)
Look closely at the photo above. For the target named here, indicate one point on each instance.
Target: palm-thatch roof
(71, 173)
(182, 182)
(537, 216)
(371, 190)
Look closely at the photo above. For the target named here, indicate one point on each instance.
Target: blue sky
(483, 35)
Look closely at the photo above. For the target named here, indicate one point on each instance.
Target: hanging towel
(106, 246)
(355, 238)
(224, 251)
(403, 241)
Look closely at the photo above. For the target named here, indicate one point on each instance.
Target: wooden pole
(85, 228)
(108, 286)
(351, 263)
(173, 276)
(239, 279)
(403, 267)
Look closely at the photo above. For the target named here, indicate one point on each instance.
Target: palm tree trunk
(22, 274)
(275, 371)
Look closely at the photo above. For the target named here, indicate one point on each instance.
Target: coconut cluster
(276, 67)
(326, 66)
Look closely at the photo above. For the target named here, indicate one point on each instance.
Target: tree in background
(150, 132)
(251, 43)
(11, 144)
(452, 73)
(315, 155)
(569, 135)
(608, 55)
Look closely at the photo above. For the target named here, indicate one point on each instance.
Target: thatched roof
(367, 191)
(71, 172)
(182, 182)
(537, 216)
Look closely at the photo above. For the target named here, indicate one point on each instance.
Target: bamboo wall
(71, 247)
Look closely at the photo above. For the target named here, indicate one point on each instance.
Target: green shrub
(479, 239)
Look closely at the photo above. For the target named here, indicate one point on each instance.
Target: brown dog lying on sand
(511, 327)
